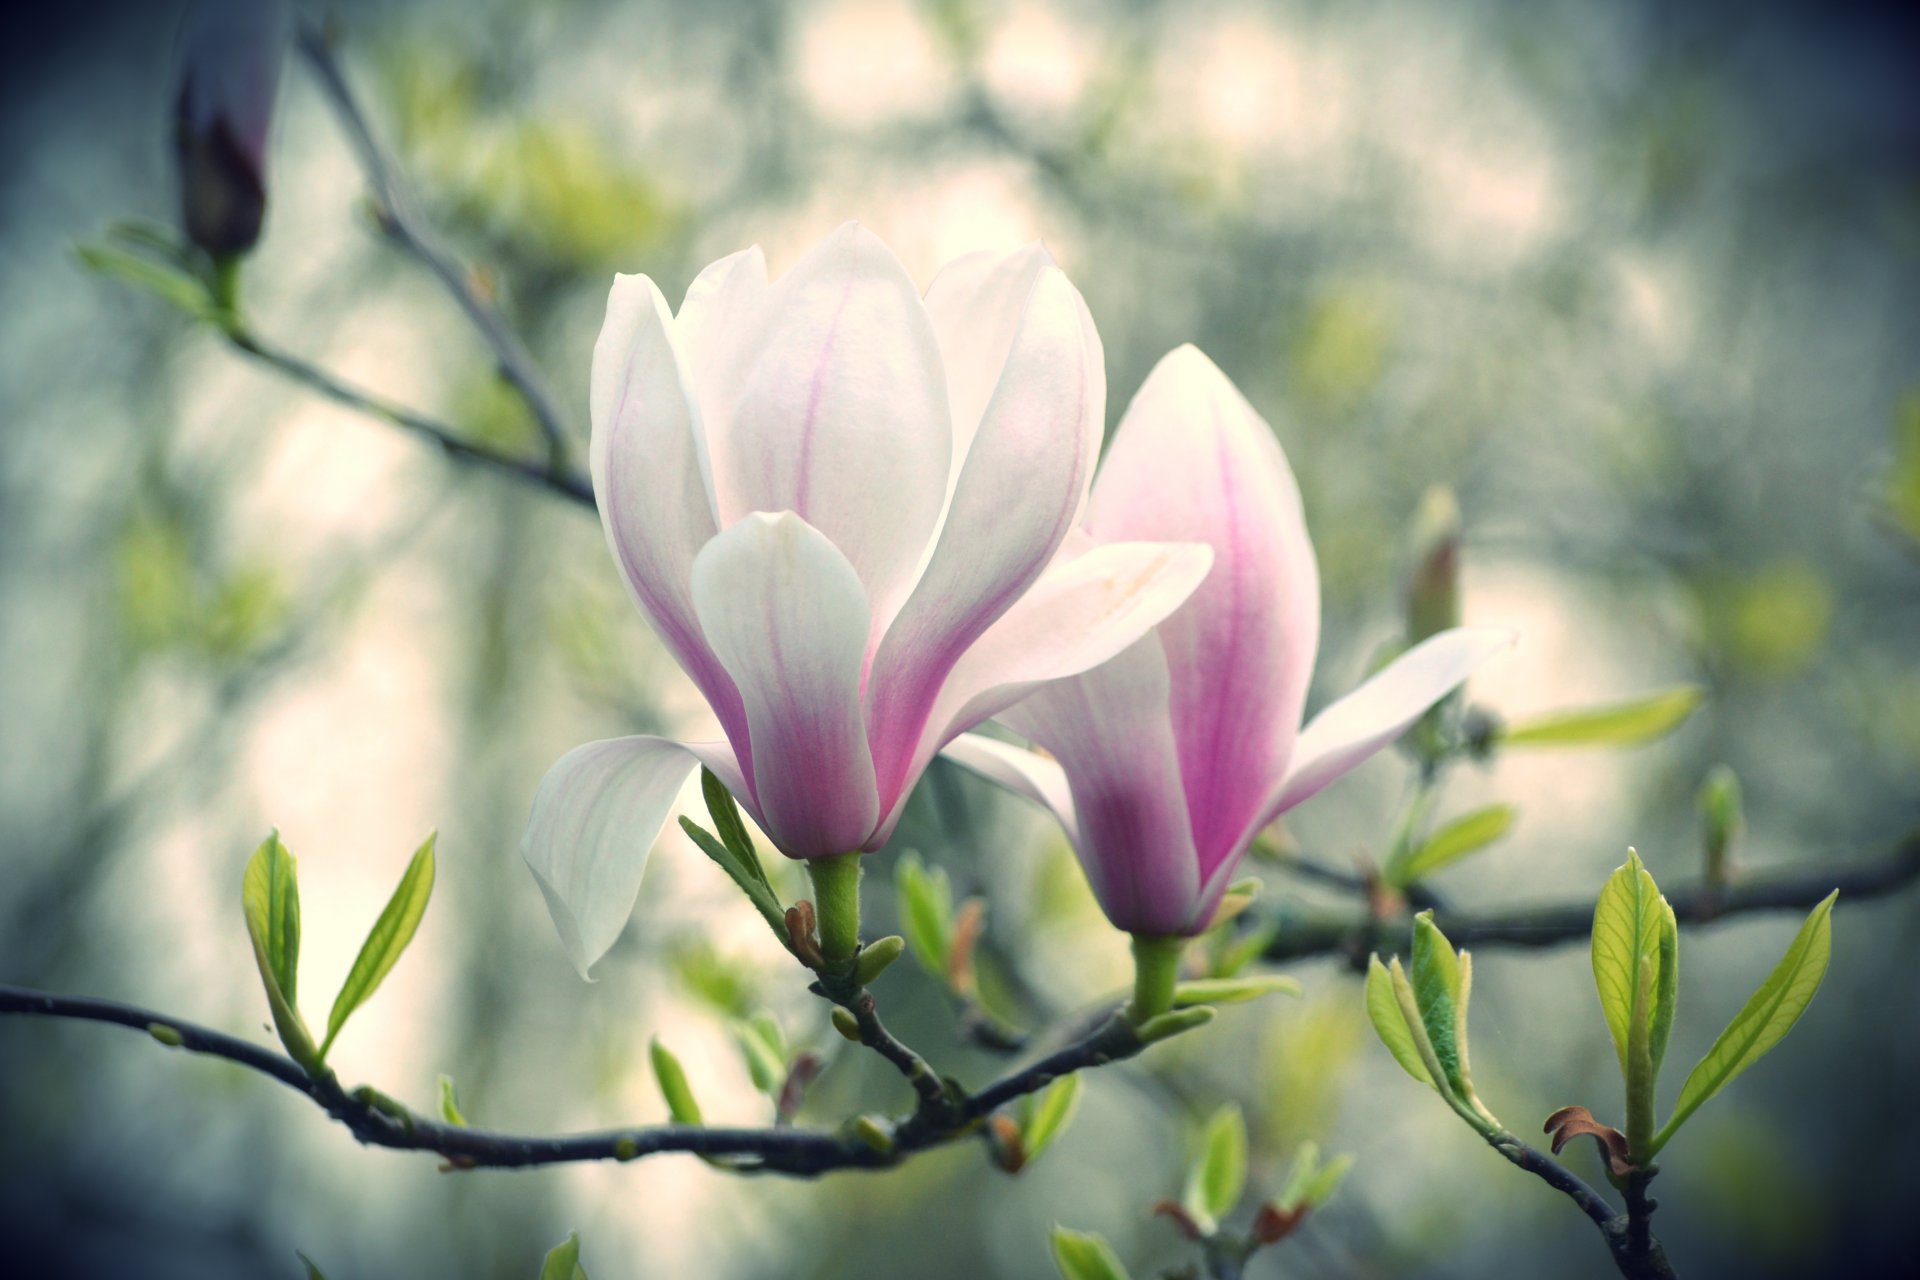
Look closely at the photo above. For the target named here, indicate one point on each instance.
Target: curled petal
(653, 505)
(594, 820)
(786, 615)
(1023, 772)
(842, 417)
(1193, 462)
(1019, 488)
(1352, 729)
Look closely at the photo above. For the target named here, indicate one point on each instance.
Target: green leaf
(169, 283)
(1233, 990)
(765, 1051)
(1325, 1181)
(730, 826)
(751, 879)
(563, 1261)
(672, 1079)
(1629, 925)
(1619, 724)
(1306, 1160)
(385, 941)
(1052, 1113)
(1436, 992)
(1219, 1173)
(313, 1272)
(1466, 834)
(1082, 1255)
(270, 893)
(1767, 1017)
(926, 912)
(450, 1102)
(1390, 1025)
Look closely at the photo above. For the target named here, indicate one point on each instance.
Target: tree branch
(1553, 924)
(377, 1121)
(404, 226)
(1629, 1235)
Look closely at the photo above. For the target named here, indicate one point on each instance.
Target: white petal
(1023, 772)
(719, 330)
(1019, 488)
(594, 820)
(1352, 729)
(843, 415)
(653, 504)
(786, 615)
(1193, 462)
(1083, 611)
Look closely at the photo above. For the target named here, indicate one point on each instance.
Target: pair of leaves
(733, 850)
(1620, 724)
(1422, 1019)
(1310, 1183)
(270, 897)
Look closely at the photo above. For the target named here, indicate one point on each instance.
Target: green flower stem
(836, 904)
(1156, 971)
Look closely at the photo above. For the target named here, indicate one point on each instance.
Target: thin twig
(1629, 1236)
(565, 483)
(376, 1121)
(1553, 924)
(404, 225)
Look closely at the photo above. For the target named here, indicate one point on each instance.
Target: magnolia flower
(1168, 760)
(838, 505)
(230, 56)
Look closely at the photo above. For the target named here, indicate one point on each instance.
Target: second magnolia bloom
(1169, 759)
(840, 506)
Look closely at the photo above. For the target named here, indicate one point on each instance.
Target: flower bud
(229, 74)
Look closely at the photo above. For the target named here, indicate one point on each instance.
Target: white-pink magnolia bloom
(1168, 760)
(838, 504)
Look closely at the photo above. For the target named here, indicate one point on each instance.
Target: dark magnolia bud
(229, 74)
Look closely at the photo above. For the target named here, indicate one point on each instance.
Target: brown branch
(1556, 923)
(404, 226)
(1629, 1236)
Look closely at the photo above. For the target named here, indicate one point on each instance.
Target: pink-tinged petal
(1193, 462)
(1023, 772)
(786, 614)
(719, 330)
(1112, 733)
(653, 504)
(1085, 609)
(594, 820)
(1019, 487)
(978, 303)
(842, 417)
(1380, 710)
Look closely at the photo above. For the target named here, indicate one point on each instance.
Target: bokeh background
(1638, 280)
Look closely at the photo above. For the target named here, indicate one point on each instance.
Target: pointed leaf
(1052, 1113)
(1436, 991)
(563, 1261)
(926, 912)
(1388, 1023)
(1233, 990)
(168, 283)
(1465, 835)
(1219, 1173)
(1306, 1161)
(1629, 923)
(450, 1102)
(764, 1053)
(730, 826)
(1325, 1181)
(270, 894)
(672, 1079)
(1767, 1017)
(1082, 1255)
(313, 1272)
(751, 878)
(1619, 724)
(385, 941)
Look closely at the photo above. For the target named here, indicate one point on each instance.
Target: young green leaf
(1390, 1025)
(270, 894)
(1233, 990)
(1218, 1173)
(1767, 1017)
(730, 826)
(169, 283)
(1325, 1181)
(1629, 926)
(926, 912)
(751, 879)
(1051, 1114)
(450, 1102)
(1082, 1255)
(1619, 724)
(385, 941)
(764, 1049)
(1466, 834)
(1436, 992)
(1309, 1183)
(672, 1079)
(563, 1261)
